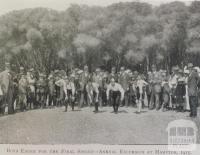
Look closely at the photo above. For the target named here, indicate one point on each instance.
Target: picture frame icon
(182, 135)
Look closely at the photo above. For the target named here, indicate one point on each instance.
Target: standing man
(173, 81)
(93, 93)
(83, 81)
(40, 91)
(155, 84)
(51, 90)
(193, 80)
(23, 85)
(31, 88)
(7, 88)
(113, 74)
(78, 90)
(69, 90)
(123, 81)
(117, 94)
(98, 79)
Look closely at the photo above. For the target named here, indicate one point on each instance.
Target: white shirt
(116, 87)
(140, 85)
(92, 88)
(173, 81)
(69, 86)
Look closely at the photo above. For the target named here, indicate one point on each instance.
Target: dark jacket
(193, 81)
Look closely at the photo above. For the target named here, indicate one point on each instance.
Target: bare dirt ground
(54, 126)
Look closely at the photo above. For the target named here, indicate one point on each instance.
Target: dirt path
(53, 126)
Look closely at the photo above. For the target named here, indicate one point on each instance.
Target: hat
(21, 68)
(113, 68)
(176, 68)
(50, 76)
(180, 71)
(112, 80)
(80, 72)
(186, 71)
(66, 77)
(56, 71)
(98, 70)
(122, 68)
(31, 70)
(72, 75)
(85, 67)
(76, 69)
(7, 63)
(197, 69)
(190, 65)
(41, 75)
(153, 66)
(135, 72)
(127, 71)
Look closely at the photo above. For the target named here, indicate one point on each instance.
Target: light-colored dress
(187, 105)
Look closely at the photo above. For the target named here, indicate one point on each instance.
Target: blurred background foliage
(132, 34)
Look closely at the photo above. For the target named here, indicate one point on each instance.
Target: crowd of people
(158, 89)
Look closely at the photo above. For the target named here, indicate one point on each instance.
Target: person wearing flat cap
(193, 81)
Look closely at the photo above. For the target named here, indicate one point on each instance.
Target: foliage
(131, 34)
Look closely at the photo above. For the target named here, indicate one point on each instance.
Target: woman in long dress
(187, 105)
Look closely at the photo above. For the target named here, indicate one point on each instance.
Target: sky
(10, 5)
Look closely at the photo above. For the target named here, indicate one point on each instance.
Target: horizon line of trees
(131, 34)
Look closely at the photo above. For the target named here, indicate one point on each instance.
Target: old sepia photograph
(108, 72)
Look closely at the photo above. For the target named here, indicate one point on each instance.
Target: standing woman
(187, 105)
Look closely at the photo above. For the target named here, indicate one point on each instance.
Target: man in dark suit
(193, 81)
(6, 84)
